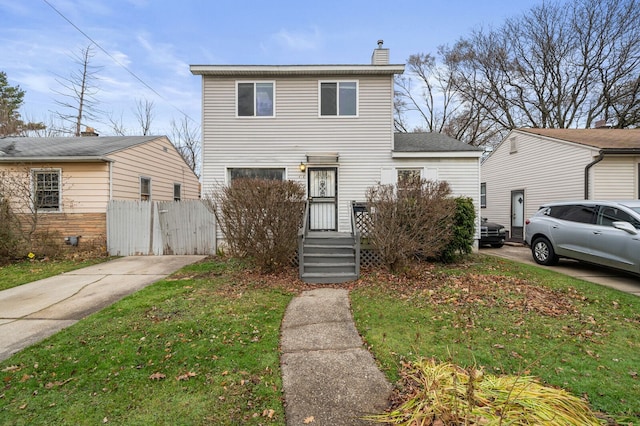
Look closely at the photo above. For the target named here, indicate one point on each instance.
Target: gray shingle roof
(57, 148)
(429, 142)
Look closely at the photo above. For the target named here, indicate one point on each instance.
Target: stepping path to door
(329, 378)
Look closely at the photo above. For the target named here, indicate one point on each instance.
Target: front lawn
(201, 347)
(26, 271)
(509, 318)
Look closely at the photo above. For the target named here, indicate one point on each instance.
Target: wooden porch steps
(328, 258)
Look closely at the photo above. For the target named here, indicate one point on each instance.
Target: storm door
(517, 214)
(323, 189)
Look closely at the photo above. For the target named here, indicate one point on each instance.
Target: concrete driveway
(34, 311)
(596, 274)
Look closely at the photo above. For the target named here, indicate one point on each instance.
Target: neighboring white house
(533, 166)
(329, 127)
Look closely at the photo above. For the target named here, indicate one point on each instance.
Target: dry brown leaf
(11, 368)
(268, 413)
(186, 376)
(308, 420)
(157, 376)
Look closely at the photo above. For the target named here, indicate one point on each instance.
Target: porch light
(302, 166)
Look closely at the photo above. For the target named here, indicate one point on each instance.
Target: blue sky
(158, 40)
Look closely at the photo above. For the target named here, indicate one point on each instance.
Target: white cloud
(298, 41)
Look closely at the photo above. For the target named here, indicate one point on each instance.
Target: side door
(323, 198)
(615, 247)
(517, 214)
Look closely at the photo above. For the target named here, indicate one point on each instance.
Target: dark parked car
(492, 234)
(605, 233)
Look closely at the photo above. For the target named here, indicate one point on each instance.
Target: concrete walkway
(329, 378)
(31, 312)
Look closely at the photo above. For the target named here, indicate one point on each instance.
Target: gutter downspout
(586, 173)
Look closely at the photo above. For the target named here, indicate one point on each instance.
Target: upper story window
(483, 194)
(338, 98)
(46, 190)
(255, 99)
(145, 189)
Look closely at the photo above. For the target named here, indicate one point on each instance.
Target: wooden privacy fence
(160, 227)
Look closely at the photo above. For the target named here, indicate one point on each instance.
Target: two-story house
(327, 126)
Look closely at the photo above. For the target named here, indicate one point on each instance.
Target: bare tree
(557, 66)
(144, 114)
(117, 124)
(79, 92)
(187, 141)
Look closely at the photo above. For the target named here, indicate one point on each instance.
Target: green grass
(202, 347)
(198, 348)
(510, 318)
(24, 272)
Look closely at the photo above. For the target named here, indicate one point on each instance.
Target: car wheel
(543, 252)
(497, 245)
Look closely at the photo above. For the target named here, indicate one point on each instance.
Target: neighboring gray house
(533, 166)
(329, 127)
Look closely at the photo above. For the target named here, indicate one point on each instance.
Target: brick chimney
(380, 55)
(89, 131)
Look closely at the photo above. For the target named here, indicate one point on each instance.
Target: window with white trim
(47, 189)
(255, 99)
(338, 98)
(409, 177)
(483, 195)
(145, 188)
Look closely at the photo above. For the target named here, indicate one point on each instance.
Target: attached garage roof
(430, 142)
(90, 148)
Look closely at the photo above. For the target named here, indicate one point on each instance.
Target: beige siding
(157, 160)
(547, 170)
(615, 178)
(85, 186)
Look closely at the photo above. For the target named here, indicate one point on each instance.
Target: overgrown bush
(260, 219)
(464, 228)
(10, 235)
(412, 220)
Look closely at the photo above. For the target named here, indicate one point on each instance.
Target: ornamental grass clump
(446, 394)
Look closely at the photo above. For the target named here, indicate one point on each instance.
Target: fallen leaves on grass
(427, 285)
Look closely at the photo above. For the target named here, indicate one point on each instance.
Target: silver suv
(602, 232)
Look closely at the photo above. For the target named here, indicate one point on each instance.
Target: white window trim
(140, 188)
(255, 116)
(357, 114)
(227, 171)
(33, 189)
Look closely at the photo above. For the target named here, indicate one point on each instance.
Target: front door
(517, 214)
(323, 196)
